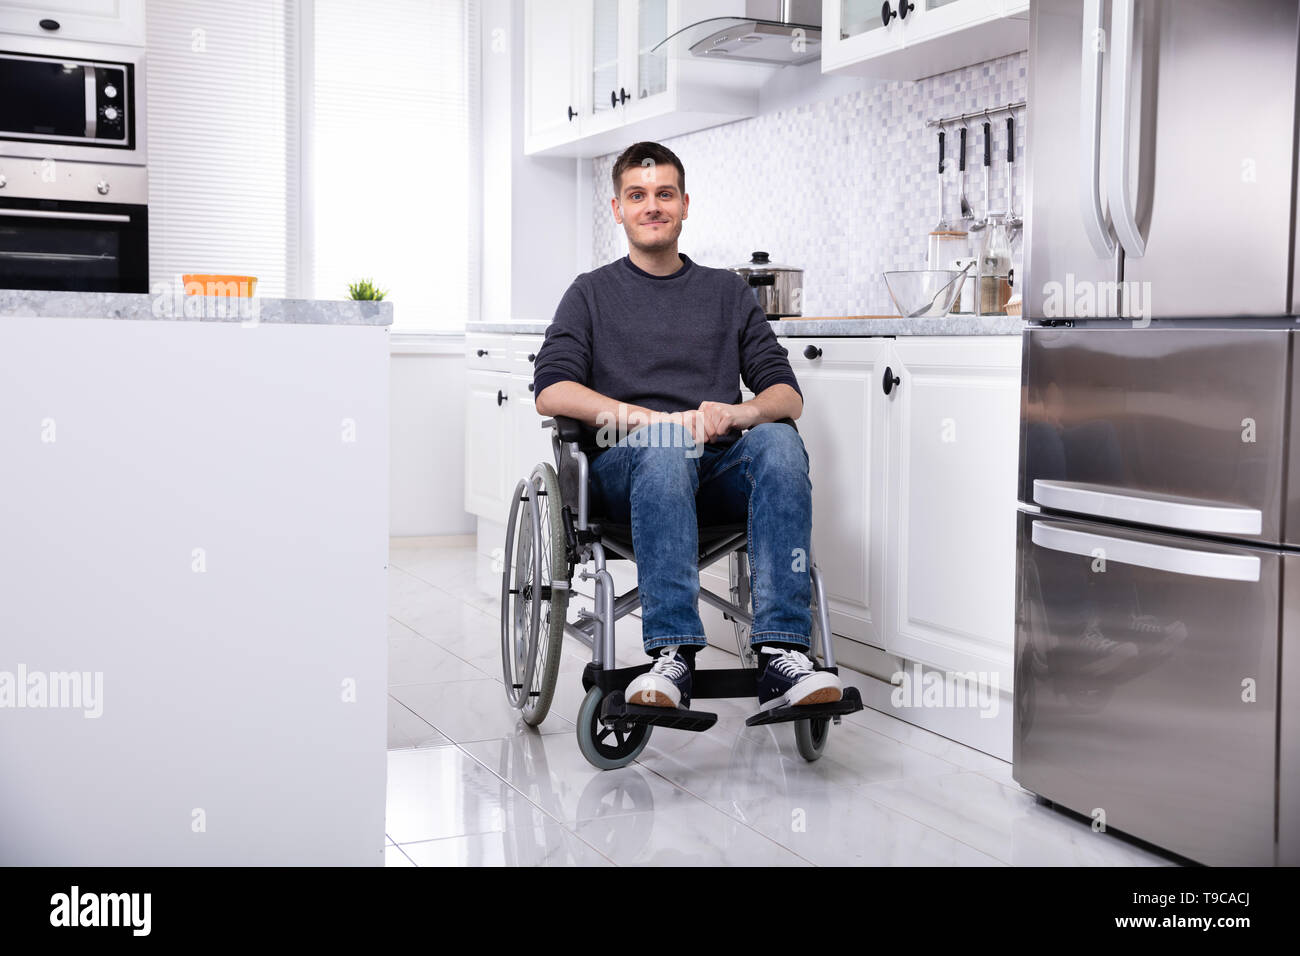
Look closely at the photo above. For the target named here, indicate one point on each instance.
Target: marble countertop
(950, 325)
(181, 308)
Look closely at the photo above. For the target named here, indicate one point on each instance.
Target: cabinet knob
(500, 398)
(572, 114)
(530, 386)
(613, 98)
(50, 25)
(532, 356)
(890, 380)
(622, 95)
(102, 187)
(903, 9)
(3, 181)
(481, 352)
(812, 352)
(886, 13)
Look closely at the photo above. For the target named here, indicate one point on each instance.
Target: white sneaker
(790, 678)
(667, 684)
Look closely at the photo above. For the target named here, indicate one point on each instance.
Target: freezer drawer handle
(1206, 517)
(1157, 557)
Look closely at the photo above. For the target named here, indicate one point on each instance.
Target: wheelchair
(549, 533)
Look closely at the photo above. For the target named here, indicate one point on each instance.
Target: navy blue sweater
(667, 343)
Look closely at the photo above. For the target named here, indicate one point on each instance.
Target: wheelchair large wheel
(533, 609)
(607, 748)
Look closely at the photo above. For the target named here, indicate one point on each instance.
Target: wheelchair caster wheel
(607, 748)
(810, 736)
(534, 594)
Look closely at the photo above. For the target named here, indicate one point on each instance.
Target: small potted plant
(366, 290)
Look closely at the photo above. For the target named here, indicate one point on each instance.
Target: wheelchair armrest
(568, 429)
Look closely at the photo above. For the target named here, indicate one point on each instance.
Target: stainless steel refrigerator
(1158, 577)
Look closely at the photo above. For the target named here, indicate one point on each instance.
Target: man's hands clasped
(705, 423)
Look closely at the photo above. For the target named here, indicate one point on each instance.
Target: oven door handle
(1157, 557)
(1207, 517)
(55, 214)
(92, 115)
(55, 256)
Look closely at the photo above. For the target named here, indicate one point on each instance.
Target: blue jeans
(656, 481)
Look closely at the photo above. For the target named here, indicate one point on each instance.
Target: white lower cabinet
(504, 438)
(487, 434)
(950, 535)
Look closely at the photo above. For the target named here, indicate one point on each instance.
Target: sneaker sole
(651, 698)
(824, 689)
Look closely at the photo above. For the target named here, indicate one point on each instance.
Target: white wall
(427, 436)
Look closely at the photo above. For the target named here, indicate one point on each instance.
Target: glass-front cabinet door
(938, 17)
(854, 29)
(607, 90)
(649, 74)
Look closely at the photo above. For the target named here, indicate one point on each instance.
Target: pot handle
(768, 279)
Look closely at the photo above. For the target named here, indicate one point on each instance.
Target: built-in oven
(77, 227)
(71, 101)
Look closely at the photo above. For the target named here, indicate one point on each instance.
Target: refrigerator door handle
(1099, 501)
(1121, 83)
(1096, 222)
(1157, 557)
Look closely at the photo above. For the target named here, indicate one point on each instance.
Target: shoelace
(793, 664)
(669, 665)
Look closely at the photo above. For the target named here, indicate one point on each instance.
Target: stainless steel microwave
(79, 102)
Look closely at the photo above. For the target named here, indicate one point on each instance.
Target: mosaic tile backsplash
(845, 189)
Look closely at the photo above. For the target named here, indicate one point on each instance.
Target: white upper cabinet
(95, 21)
(552, 101)
(911, 39)
(593, 86)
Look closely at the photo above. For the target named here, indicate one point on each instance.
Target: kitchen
(933, 432)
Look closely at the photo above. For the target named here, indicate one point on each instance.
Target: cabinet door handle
(572, 114)
(530, 386)
(890, 380)
(903, 9)
(622, 95)
(613, 99)
(532, 356)
(481, 352)
(886, 13)
(500, 398)
(812, 352)
(50, 25)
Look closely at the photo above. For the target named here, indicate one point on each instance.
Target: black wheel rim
(614, 741)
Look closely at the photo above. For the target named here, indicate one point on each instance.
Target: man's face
(651, 207)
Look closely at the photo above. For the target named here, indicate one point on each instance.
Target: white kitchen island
(193, 552)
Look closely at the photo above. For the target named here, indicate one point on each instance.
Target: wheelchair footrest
(614, 709)
(850, 703)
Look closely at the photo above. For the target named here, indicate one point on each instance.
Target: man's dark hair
(637, 155)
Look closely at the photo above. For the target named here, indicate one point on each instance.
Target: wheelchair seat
(619, 537)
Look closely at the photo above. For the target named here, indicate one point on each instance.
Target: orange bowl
(238, 286)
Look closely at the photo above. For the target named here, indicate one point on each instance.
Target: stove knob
(110, 91)
(110, 113)
(102, 187)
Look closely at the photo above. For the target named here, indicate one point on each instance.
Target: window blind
(224, 140)
(395, 156)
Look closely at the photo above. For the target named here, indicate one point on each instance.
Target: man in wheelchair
(647, 352)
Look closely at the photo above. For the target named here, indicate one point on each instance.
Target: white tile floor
(470, 784)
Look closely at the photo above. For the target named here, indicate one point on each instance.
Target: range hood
(770, 32)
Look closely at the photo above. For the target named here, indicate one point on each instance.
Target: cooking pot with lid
(778, 289)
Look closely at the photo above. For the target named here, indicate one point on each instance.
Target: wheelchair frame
(604, 711)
